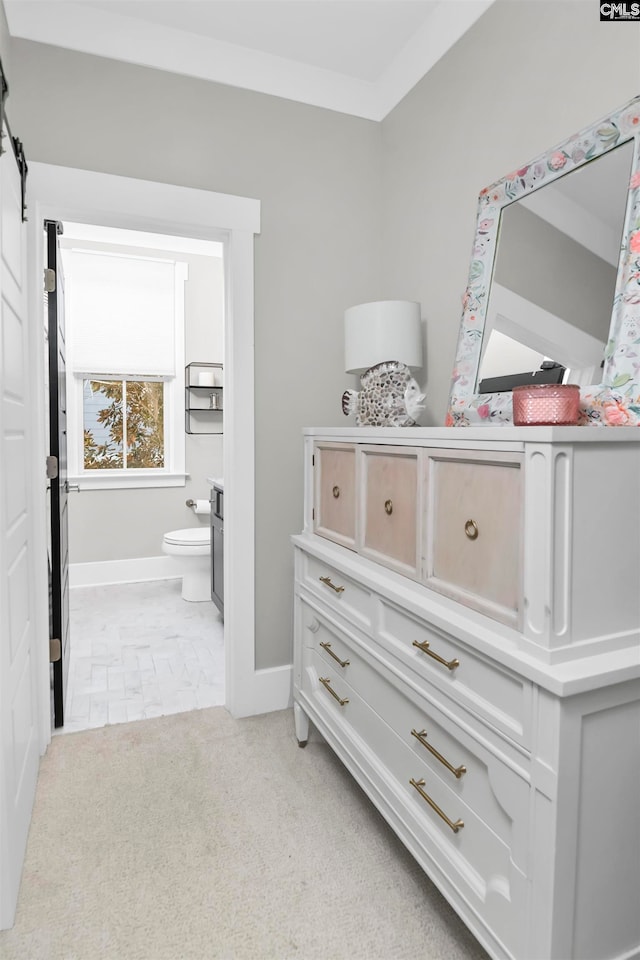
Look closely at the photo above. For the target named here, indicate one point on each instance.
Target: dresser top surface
(462, 435)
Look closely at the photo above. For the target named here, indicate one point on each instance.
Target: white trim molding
(127, 479)
(99, 573)
(267, 690)
(84, 27)
(82, 196)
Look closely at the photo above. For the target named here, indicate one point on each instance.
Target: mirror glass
(553, 294)
(554, 278)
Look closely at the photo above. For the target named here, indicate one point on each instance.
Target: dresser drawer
(502, 698)
(483, 844)
(338, 653)
(469, 763)
(462, 768)
(325, 683)
(390, 508)
(335, 492)
(338, 591)
(474, 531)
(464, 844)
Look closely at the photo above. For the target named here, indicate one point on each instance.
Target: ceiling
(356, 56)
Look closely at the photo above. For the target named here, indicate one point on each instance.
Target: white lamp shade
(381, 331)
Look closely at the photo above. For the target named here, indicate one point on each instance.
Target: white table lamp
(381, 331)
(383, 343)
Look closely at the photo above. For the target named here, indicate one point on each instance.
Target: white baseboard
(102, 572)
(262, 691)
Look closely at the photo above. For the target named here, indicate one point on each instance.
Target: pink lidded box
(546, 403)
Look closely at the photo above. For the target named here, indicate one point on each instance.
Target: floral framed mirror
(553, 294)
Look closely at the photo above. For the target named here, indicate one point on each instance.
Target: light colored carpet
(200, 836)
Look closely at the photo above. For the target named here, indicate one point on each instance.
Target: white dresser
(467, 639)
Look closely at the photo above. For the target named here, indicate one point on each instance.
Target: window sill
(129, 481)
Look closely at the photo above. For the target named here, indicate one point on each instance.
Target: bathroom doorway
(84, 196)
(140, 308)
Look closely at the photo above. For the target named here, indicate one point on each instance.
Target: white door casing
(22, 482)
(87, 197)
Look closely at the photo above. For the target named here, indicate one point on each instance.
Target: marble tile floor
(139, 650)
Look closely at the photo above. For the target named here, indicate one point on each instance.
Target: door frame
(59, 193)
(59, 485)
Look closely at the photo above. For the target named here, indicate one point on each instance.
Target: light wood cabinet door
(474, 531)
(389, 504)
(335, 493)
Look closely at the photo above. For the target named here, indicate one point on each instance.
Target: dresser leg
(301, 721)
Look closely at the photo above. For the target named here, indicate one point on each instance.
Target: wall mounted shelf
(204, 392)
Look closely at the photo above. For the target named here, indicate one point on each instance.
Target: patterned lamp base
(390, 397)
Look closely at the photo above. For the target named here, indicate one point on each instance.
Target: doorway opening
(144, 329)
(84, 196)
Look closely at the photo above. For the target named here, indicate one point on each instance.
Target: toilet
(191, 552)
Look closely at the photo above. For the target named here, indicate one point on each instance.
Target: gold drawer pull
(421, 737)
(327, 646)
(424, 646)
(419, 784)
(336, 491)
(388, 507)
(471, 529)
(325, 683)
(327, 582)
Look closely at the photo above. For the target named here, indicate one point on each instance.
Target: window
(123, 424)
(125, 368)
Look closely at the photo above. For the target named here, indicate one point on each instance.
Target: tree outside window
(123, 424)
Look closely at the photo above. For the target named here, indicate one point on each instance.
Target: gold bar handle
(327, 582)
(325, 683)
(421, 737)
(327, 646)
(455, 826)
(424, 646)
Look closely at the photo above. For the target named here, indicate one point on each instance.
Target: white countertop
(216, 482)
(506, 433)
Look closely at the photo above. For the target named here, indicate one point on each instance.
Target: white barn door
(19, 738)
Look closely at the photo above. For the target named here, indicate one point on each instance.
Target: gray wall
(317, 176)
(336, 192)
(5, 44)
(119, 524)
(526, 76)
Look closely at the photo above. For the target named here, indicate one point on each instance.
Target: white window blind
(121, 312)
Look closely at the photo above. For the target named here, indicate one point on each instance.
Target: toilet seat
(190, 537)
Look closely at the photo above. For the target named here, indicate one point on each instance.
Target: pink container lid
(543, 404)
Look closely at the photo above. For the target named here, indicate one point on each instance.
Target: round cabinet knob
(313, 625)
(388, 507)
(336, 492)
(471, 529)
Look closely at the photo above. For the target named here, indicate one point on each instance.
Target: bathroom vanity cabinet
(467, 639)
